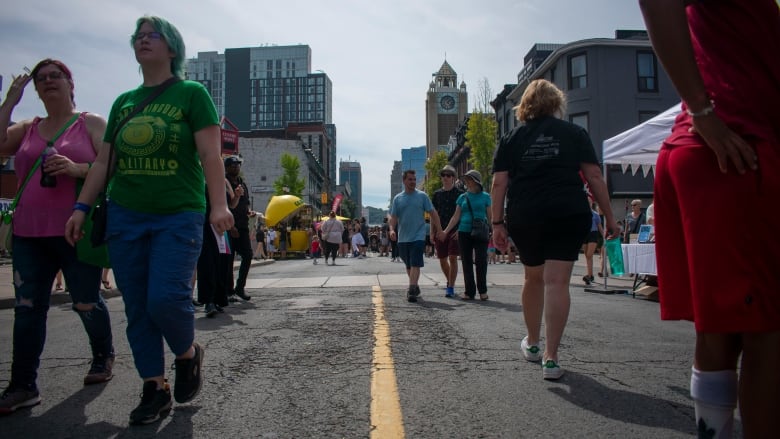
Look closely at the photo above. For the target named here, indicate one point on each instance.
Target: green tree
(481, 135)
(433, 167)
(289, 179)
(348, 208)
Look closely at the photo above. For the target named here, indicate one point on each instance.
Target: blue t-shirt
(479, 204)
(409, 209)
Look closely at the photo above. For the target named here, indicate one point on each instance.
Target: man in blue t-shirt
(407, 215)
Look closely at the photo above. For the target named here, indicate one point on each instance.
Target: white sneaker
(551, 370)
(530, 352)
(315, 262)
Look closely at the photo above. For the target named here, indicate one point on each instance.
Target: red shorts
(718, 240)
(448, 247)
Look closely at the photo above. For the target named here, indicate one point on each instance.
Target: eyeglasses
(446, 175)
(152, 36)
(53, 75)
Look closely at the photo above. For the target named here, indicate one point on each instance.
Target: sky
(380, 55)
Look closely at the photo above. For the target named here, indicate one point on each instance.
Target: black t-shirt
(444, 203)
(543, 160)
(241, 211)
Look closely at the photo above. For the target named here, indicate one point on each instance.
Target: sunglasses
(53, 75)
(152, 36)
(446, 175)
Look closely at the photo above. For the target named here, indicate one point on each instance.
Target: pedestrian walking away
(447, 250)
(53, 155)
(407, 227)
(548, 217)
(726, 139)
(155, 219)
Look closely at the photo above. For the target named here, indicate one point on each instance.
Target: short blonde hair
(541, 98)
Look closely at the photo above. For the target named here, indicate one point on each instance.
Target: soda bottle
(47, 180)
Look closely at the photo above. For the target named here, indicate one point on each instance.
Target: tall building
(351, 172)
(396, 185)
(446, 104)
(269, 87)
(415, 158)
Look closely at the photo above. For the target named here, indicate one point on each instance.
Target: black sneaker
(189, 376)
(211, 310)
(240, 293)
(14, 398)
(232, 298)
(586, 279)
(412, 293)
(219, 308)
(155, 403)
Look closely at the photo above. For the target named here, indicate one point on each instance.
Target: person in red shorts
(717, 180)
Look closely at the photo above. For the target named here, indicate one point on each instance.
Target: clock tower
(446, 105)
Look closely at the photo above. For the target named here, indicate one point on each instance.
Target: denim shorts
(412, 253)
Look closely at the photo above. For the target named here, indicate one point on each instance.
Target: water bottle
(47, 180)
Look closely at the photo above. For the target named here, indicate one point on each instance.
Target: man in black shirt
(240, 242)
(447, 250)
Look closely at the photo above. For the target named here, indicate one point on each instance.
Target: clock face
(447, 102)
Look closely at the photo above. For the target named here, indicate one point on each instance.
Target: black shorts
(557, 239)
(593, 236)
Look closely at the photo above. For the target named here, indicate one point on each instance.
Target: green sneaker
(551, 370)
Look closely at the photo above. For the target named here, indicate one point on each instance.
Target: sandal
(465, 297)
(483, 297)
(106, 285)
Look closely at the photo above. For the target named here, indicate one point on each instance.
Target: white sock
(715, 398)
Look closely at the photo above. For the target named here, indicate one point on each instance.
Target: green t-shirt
(158, 168)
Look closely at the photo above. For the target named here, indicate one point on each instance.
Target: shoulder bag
(480, 230)
(7, 215)
(100, 210)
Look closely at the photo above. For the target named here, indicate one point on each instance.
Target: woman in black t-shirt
(537, 169)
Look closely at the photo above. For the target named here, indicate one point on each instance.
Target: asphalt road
(300, 361)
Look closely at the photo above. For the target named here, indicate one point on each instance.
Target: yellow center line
(386, 418)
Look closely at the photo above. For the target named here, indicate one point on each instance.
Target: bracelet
(82, 207)
(703, 112)
(498, 223)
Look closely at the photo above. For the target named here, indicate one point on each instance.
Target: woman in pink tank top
(39, 248)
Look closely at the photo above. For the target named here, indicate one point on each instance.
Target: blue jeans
(36, 262)
(154, 257)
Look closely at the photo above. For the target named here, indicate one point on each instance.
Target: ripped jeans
(36, 262)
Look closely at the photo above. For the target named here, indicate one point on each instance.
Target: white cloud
(379, 55)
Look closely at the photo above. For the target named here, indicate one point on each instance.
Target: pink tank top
(44, 211)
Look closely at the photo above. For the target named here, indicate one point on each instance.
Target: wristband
(82, 207)
(703, 112)
(498, 223)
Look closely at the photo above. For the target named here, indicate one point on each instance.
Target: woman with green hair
(156, 211)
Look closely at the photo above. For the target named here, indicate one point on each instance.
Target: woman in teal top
(473, 252)
(156, 210)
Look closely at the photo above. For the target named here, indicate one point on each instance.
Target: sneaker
(211, 310)
(412, 293)
(530, 352)
(240, 293)
(189, 376)
(100, 371)
(551, 370)
(232, 298)
(586, 279)
(219, 308)
(450, 292)
(154, 404)
(14, 398)
(314, 262)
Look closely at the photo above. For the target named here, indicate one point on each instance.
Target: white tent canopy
(638, 147)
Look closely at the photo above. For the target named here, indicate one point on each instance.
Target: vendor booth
(637, 149)
(292, 213)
